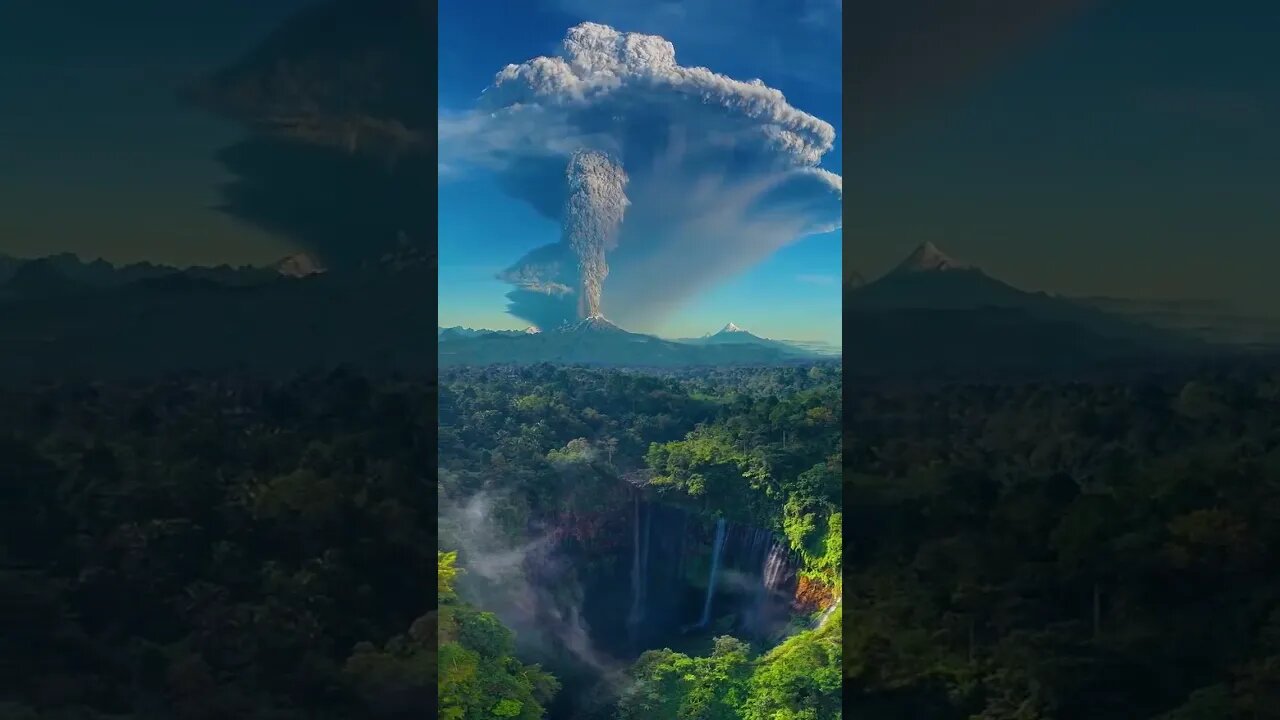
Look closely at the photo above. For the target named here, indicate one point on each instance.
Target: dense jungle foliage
(214, 549)
(234, 549)
(757, 445)
(554, 446)
(1068, 551)
(478, 676)
(797, 680)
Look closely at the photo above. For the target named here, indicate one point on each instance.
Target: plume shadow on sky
(339, 106)
(345, 208)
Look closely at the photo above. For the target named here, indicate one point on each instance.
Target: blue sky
(791, 46)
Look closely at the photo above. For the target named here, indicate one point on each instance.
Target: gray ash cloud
(721, 173)
(592, 216)
(338, 112)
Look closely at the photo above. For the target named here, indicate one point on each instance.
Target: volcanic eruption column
(592, 214)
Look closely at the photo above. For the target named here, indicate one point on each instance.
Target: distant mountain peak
(591, 323)
(731, 328)
(39, 276)
(298, 265)
(928, 258)
(532, 330)
(406, 255)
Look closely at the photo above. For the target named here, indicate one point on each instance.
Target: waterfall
(684, 535)
(715, 568)
(644, 558)
(775, 566)
(827, 613)
(760, 547)
(636, 571)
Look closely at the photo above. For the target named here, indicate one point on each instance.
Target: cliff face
(655, 576)
(811, 596)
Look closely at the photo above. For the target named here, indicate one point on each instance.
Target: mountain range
(931, 316)
(69, 318)
(64, 318)
(935, 314)
(598, 341)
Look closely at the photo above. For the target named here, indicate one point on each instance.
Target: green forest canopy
(1064, 551)
(759, 446)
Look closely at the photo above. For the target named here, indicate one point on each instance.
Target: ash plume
(337, 114)
(720, 173)
(592, 214)
(347, 114)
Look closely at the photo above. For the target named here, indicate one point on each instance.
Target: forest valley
(655, 546)
(218, 548)
(1065, 551)
(232, 548)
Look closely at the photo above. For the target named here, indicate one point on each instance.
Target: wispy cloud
(822, 14)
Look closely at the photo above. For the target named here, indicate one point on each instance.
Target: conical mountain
(930, 278)
(928, 258)
(298, 265)
(936, 311)
(593, 323)
(731, 333)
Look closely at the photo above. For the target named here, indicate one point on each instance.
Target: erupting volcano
(713, 175)
(597, 201)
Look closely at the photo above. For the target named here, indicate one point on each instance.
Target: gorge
(624, 525)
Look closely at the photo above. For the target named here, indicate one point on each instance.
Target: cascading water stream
(774, 566)
(636, 570)
(644, 560)
(715, 569)
(826, 614)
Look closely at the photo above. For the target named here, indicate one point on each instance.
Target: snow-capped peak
(590, 323)
(731, 328)
(532, 330)
(928, 258)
